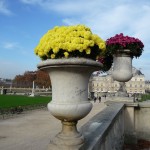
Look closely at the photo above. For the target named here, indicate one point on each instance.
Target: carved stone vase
(122, 66)
(69, 78)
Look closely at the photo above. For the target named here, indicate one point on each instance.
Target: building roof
(136, 71)
(109, 72)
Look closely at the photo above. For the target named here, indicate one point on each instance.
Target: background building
(100, 85)
(137, 82)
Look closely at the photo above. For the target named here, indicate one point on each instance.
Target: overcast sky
(23, 23)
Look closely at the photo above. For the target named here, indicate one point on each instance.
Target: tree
(41, 79)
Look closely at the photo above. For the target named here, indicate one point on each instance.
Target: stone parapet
(105, 131)
(142, 120)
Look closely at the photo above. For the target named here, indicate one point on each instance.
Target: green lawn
(9, 101)
(145, 97)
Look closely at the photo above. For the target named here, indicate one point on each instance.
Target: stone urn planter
(122, 66)
(123, 48)
(69, 103)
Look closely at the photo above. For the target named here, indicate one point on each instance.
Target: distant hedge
(145, 97)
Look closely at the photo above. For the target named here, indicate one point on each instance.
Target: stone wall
(137, 121)
(129, 119)
(142, 120)
(105, 131)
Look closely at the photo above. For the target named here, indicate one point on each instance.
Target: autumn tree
(18, 81)
(41, 79)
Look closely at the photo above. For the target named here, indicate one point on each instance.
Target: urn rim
(69, 62)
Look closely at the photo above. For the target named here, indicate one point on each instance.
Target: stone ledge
(127, 103)
(97, 128)
(145, 104)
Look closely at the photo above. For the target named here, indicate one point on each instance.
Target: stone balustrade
(25, 91)
(105, 131)
(142, 120)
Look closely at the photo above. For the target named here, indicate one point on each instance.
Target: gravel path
(33, 130)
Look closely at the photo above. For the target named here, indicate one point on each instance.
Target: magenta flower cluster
(121, 42)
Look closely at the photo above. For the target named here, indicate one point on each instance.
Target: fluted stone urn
(122, 66)
(69, 78)
(122, 70)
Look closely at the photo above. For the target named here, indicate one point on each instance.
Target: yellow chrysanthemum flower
(41, 54)
(88, 51)
(52, 56)
(66, 54)
(55, 50)
(102, 46)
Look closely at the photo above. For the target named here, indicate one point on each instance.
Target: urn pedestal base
(68, 139)
(122, 92)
